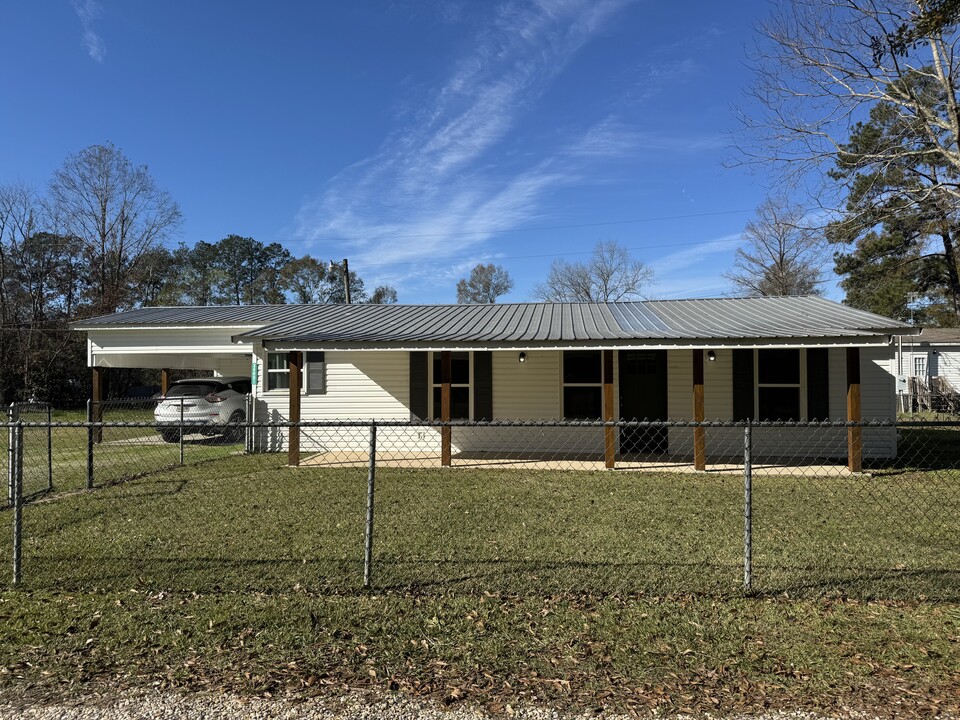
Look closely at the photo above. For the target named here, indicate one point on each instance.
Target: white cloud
(433, 189)
(676, 274)
(88, 11)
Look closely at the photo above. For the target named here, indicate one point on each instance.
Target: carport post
(609, 431)
(854, 432)
(293, 445)
(699, 433)
(164, 380)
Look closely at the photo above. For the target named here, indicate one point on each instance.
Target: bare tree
(611, 275)
(485, 284)
(783, 256)
(118, 212)
(821, 65)
(383, 295)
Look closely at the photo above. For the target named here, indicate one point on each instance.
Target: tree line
(96, 241)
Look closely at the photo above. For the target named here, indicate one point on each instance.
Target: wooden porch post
(699, 433)
(164, 380)
(445, 431)
(96, 395)
(293, 444)
(854, 434)
(609, 432)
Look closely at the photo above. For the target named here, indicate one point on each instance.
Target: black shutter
(818, 384)
(418, 386)
(483, 386)
(316, 373)
(743, 384)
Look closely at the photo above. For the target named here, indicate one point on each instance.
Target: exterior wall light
(523, 357)
(711, 356)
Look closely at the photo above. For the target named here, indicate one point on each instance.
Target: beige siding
(365, 385)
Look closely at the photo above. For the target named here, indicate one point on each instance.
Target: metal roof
(935, 336)
(718, 318)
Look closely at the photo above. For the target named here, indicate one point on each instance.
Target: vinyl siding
(188, 349)
(365, 385)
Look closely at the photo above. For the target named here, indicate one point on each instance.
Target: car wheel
(234, 432)
(170, 436)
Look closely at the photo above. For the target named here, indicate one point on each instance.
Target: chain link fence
(118, 502)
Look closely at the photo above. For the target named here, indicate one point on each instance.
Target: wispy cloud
(675, 274)
(435, 188)
(88, 11)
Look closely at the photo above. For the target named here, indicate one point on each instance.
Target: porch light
(523, 357)
(711, 356)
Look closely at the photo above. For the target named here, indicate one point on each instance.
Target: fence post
(11, 418)
(248, 432)
(181, 430)
(371, 473)
(90, 442)
(49, 447)
(747, 508)
(17, 476)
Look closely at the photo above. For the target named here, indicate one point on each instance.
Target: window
(459, 386)
(278, 371)
(582, 385)
(778, 385)
(920, 365)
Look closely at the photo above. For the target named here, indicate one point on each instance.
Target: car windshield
(195, 389)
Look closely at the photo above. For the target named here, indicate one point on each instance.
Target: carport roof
(651, 320)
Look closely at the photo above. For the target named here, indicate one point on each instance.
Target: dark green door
(643, 396)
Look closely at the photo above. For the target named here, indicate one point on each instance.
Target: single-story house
(927, 368)
(793, 358)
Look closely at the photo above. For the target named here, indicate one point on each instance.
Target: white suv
(210, 406)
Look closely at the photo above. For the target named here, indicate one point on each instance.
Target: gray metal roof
(937, 336)
(719, 318)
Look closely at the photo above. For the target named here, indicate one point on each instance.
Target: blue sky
(414, 137)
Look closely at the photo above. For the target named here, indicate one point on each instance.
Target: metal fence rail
(521, 507)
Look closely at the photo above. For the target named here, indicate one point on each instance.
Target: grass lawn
(579, 589)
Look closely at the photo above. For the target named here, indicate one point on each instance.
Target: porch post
(445, 431)
(699, 433)
(96, 394)
(164, 380)
(854, 434)
(293, 443)
(609, 432)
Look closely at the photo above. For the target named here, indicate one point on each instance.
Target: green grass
(573, 652)
(247, 522)
(576, 589)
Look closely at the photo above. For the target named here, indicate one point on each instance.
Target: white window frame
(434, 382)
(269, 372)
(304, 375)
(801, 386)
(564, 384)
(919, 365)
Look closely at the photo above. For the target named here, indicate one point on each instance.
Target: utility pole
(345, 267)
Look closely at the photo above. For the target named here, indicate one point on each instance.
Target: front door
(643, 396)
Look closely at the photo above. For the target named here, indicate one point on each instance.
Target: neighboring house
(927, 367)
(717, 359)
